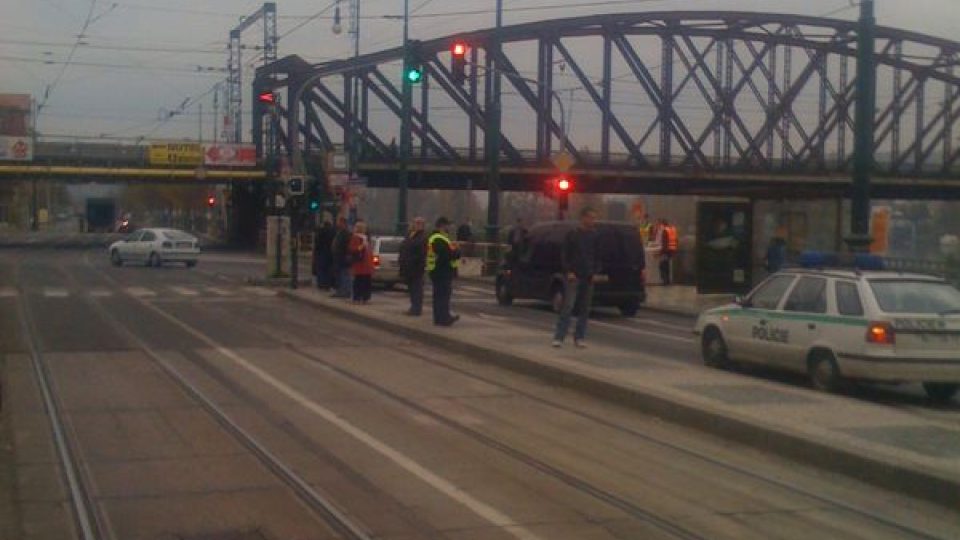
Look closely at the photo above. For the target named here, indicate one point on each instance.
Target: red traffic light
(211, 201)
(459, 48)
(564, 185)
(268, 98)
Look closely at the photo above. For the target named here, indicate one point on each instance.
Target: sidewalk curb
(883, 473)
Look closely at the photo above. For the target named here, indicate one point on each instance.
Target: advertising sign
(16, 149)
(230, 155)
(176, 154)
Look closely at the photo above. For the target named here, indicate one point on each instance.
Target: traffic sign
(563, 161)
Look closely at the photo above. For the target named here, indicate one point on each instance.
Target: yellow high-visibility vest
(432, 255)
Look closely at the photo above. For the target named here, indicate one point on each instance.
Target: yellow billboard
(176, 154)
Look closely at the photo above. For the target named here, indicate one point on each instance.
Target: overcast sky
(140, 57)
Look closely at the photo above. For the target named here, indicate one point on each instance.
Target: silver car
(386, 260)
(154, 247)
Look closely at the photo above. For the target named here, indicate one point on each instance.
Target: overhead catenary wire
(52, 86)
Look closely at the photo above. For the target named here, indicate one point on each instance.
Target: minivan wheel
(714, 349)
(115, 258)
(824, 373)
(940, 392)
(630, 308)
(154, 261)
(504, 298)
(556, 298)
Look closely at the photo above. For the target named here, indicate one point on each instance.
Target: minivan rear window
(916, 296)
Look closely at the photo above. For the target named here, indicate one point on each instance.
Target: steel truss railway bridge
(710, 103)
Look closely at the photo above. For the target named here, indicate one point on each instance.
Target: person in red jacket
(361, 253)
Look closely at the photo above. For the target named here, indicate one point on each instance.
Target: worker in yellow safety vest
(443, 259)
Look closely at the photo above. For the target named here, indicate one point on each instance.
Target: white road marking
(100, 293)
(648, 333)
(140, 292)
(55, 293)
(475, 290)
(183, 291)
(260, 291)
(8, 292)
(482, 509)
(662, 324)
(219, 292)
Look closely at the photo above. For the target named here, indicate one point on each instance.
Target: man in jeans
(579, 258)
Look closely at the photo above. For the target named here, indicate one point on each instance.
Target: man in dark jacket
(579, 264)
(413, 263)
(323, 255)
(341, 259)
(443, 258)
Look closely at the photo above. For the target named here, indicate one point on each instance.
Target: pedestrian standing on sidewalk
(443, 258)
(323, 255)
(361, 255)
(669, 245)
(341, 259)
(413, 264)
(579, 263)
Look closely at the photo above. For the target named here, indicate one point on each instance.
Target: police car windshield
(916, 296)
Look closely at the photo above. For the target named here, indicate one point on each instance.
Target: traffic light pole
(493, 142)
(403, 179)
(859, 239)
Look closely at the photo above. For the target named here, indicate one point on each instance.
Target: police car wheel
(824, 373)
(714, 349)
(940, 392)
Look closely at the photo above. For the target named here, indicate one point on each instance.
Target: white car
(154, 247)
(843, 325)
(386, 260)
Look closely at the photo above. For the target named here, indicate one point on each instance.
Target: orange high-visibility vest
(673, 244)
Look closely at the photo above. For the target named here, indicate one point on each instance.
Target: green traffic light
(414, 75)
(314, 205)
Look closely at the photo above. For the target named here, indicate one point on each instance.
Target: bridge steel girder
(754, 93)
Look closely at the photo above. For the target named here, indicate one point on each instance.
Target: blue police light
(859, 261)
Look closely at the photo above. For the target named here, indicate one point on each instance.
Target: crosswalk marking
(475, 290)
(55, 293)
(219, 292)
(140, 292)
(260, 291)
(184, 291)
(100, 293)
(7, 292)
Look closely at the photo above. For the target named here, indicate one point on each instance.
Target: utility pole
(405, 138)
(492, 145)
(859, 239)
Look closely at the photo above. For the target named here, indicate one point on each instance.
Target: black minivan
(533, 270)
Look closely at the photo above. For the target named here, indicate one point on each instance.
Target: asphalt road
(194, 406)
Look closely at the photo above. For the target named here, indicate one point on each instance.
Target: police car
(842, 325)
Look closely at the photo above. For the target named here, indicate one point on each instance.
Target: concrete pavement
(897, 450)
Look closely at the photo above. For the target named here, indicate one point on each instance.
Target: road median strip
(933, 479)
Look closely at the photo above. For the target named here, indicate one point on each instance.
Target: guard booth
(724, 252)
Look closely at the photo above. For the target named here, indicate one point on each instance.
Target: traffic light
(211, 201)
(564, 188)
(413, 74)
(412, 67)
(295, 185)
(313, 197)
(267, 98)
(458, 61)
